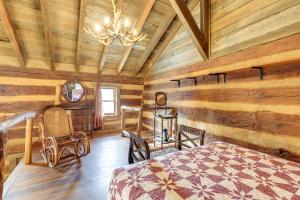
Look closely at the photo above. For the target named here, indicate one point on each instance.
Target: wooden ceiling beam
(139, 26)
(191, 26)
(103, 54)
(82, 13)
(164, 41)
(205, 18)
(47, 32)
(11, 32)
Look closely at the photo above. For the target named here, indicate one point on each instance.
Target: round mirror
(72, 91)
(161, 99)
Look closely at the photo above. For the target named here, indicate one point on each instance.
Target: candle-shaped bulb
(127, 22)
(97, 28)
(106, 20)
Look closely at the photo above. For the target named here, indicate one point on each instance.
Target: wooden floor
(87, 178)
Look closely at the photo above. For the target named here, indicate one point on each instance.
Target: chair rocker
(58, 137)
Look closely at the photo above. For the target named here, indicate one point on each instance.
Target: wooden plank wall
(182, 46)
(31, 89)
(2, 160)
(244, 110)
(235, 25)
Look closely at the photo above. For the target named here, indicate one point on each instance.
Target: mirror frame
(72, 81)
(161, 93)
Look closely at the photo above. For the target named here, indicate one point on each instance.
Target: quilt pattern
(218, 171)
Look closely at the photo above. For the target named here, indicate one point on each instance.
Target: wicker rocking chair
(58, 137)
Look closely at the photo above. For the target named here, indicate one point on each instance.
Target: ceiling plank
(82, 13)
(171, 33)
(103, 55)
(11, 32)
(139, 26)
(191, 26)
(164, 41)
(155, 39)
(47, 32)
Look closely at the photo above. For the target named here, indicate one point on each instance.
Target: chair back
(124, 116)
(56, 123)
(191, 137)
(138, 148)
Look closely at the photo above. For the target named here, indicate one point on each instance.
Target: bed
(217, 171)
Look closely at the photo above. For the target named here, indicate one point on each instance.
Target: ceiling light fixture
(108, 30)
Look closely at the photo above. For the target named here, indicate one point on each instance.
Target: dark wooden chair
(190, 137)
(139, 149)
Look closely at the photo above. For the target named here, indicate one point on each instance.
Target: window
(109, 101)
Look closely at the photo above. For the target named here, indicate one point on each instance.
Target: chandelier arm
(116, 29)
(136, 38)
(106, 42)
(133, 28)
(125, 44)
(110, 32)
(122, 43)
(87, 30)
(141, 37)
(114, 4)
(103, 38)
(100, 36)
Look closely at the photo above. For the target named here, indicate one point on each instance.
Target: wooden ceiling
(49, 34)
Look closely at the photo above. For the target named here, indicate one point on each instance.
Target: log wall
(2, 160)
(245, 108)
(24, 89)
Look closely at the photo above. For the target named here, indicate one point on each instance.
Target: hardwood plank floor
(87, 178)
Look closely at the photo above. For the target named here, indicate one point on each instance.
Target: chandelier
(107, 30)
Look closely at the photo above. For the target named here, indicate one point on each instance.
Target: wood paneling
(277, 25)
(282, 50)
(34, 90)
(235, 26)
(15, 90)
(259, 121)
(131, 92)
(167, 39)
(241, 95)
(131, 102)
(82, 13)
(49, 75)
(244, 110)
(2, 161)
(11, 31)
(67, 20)
(47, 32)
(22, 106)
(191, 26)
(139, 25)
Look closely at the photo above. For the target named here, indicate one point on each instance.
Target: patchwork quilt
(218, 171)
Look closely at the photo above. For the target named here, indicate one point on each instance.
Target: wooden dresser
(82, 117)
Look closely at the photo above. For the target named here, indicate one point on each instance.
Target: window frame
(116, 101)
